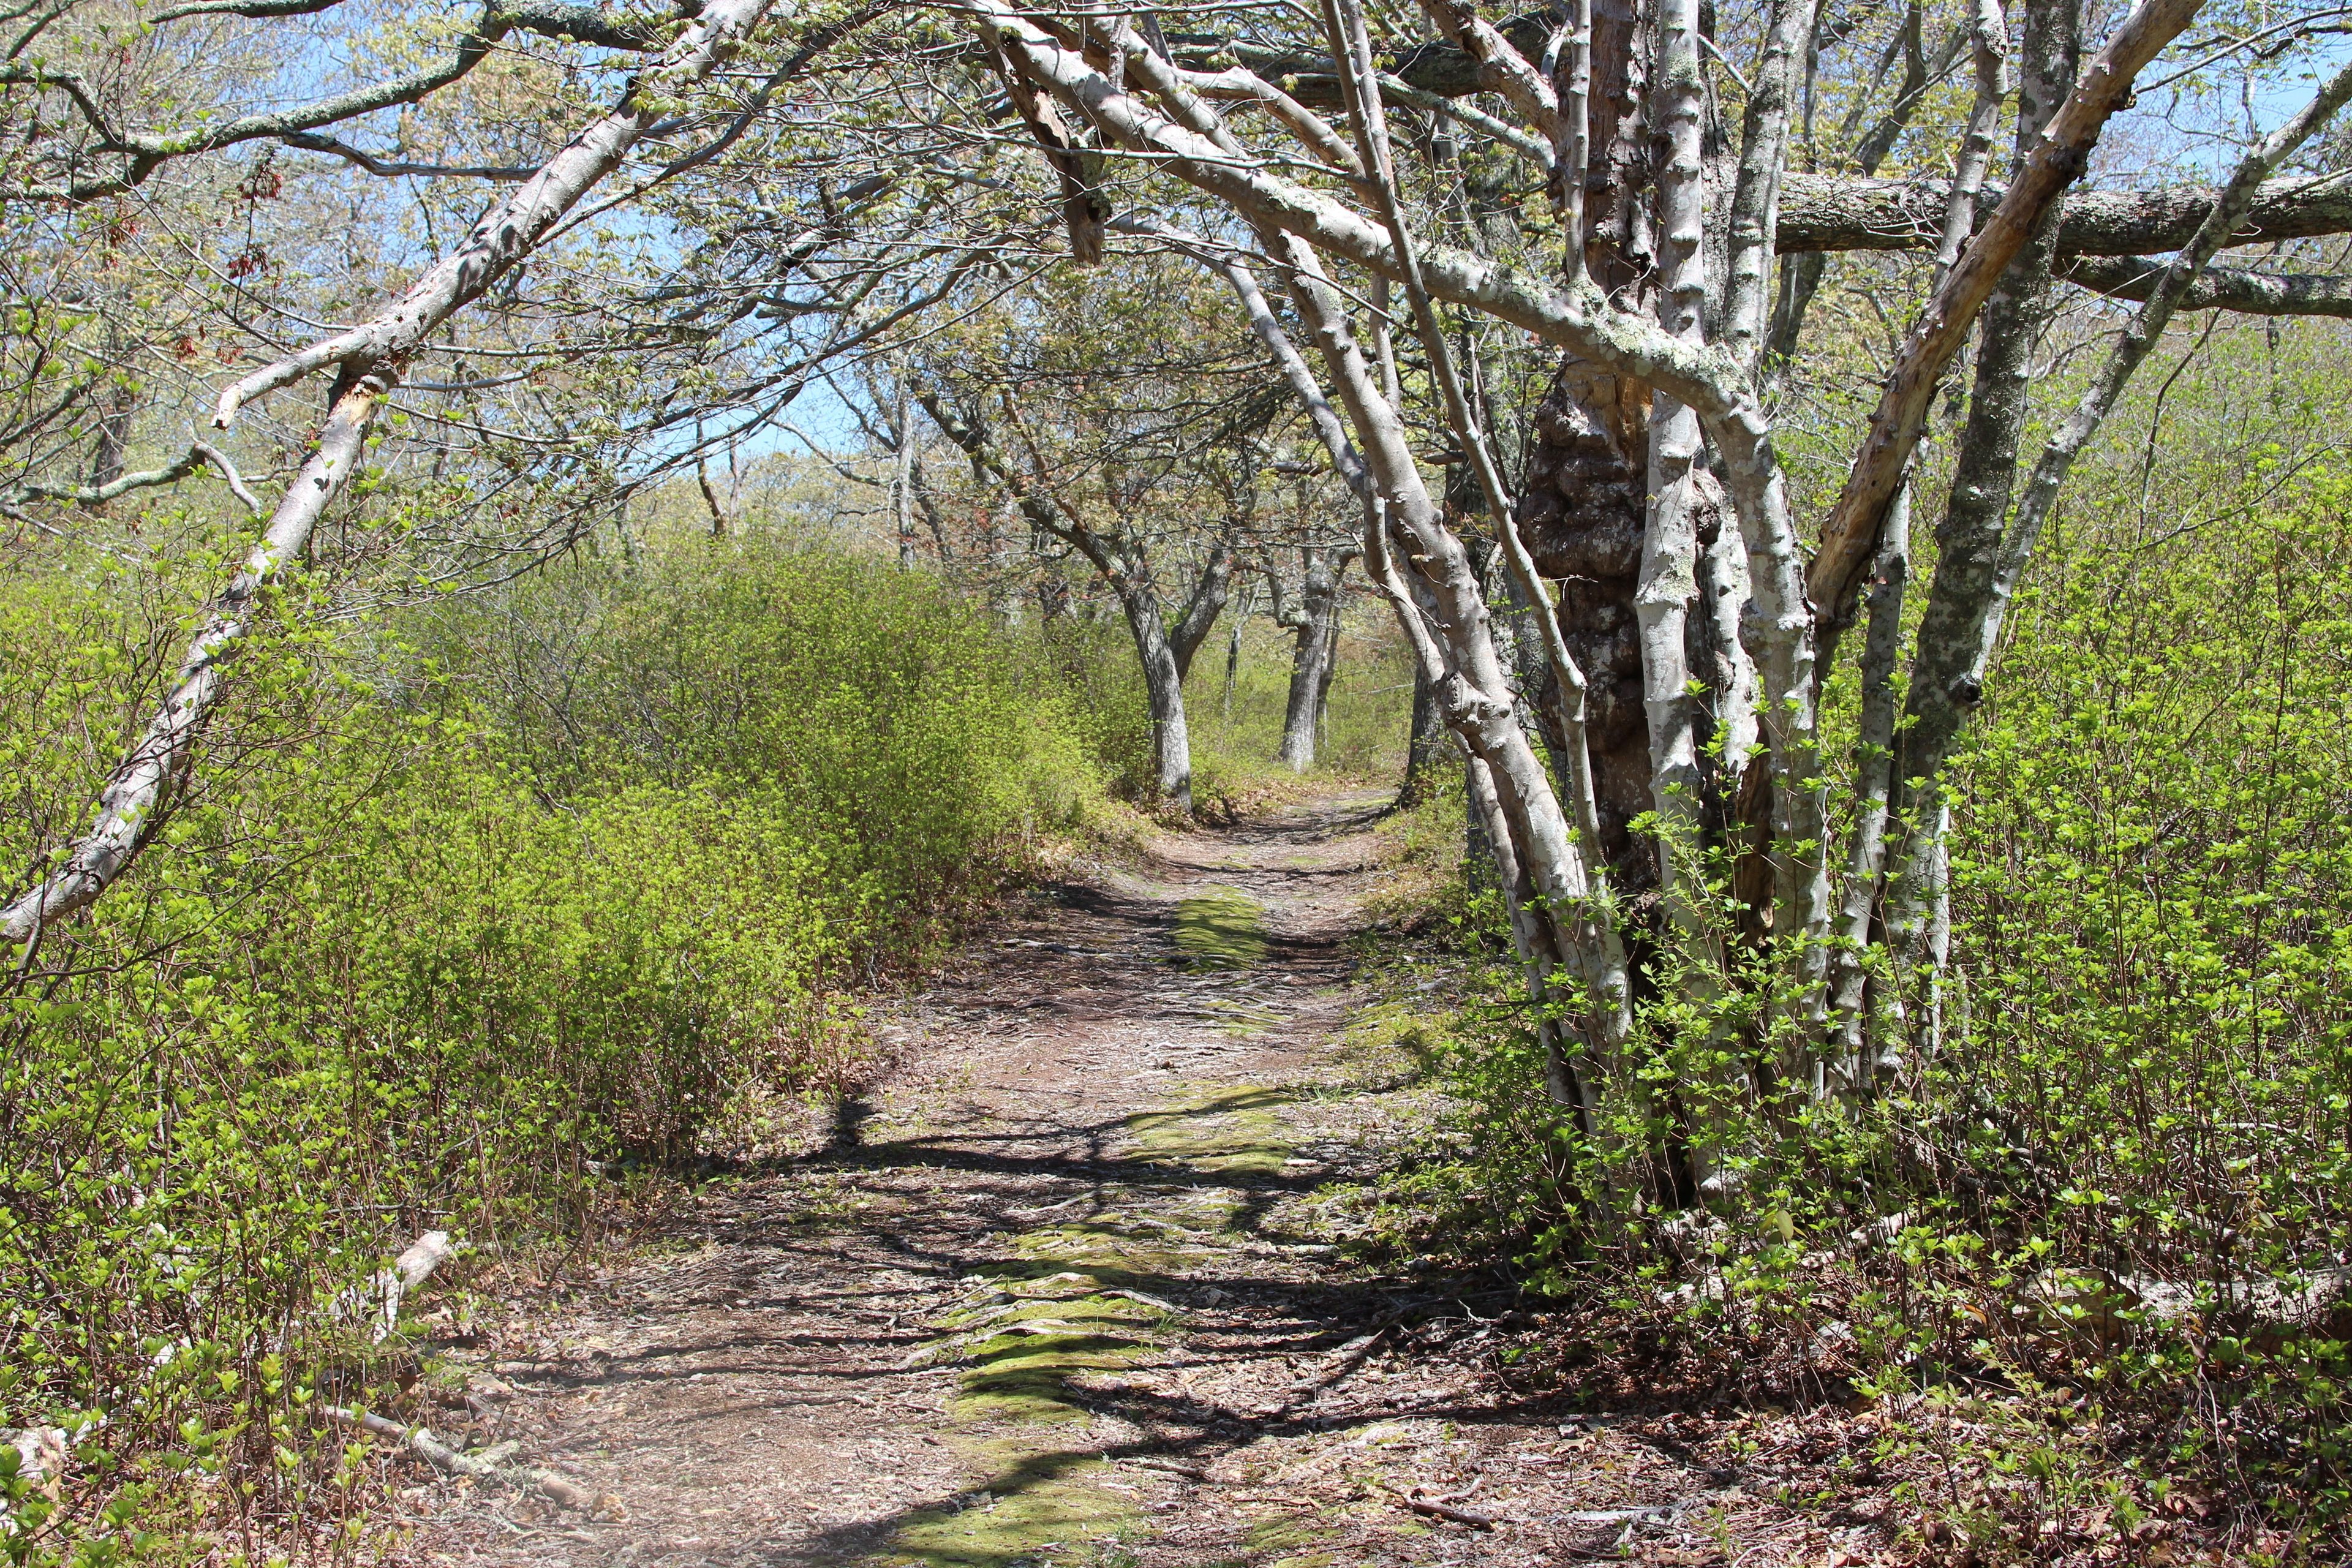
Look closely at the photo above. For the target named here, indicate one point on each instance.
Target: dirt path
(1062, 1290)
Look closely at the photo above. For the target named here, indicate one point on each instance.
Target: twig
(1174, 1469)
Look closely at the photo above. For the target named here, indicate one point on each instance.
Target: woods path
(1060, 1288)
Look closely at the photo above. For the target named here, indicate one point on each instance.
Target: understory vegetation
(2088, 1250)
(488, 910)
(1238, 724)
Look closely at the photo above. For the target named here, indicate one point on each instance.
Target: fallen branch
(408, 1271)
(41, 1455)
(381, 1297)
(1446, 1510)
(420, 1441)
(1192, 1472)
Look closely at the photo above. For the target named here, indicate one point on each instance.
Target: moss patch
(1021, 1344)
(1235, 1128)
(1221, 930)
(1080, 1301)
(1035, 1508)
(1115, 1249)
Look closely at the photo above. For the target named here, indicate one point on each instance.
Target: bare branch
(1082, 212)
(198, 454)
(1311, 129)
(138, 793)
(511, 229)
(389, 168)
(1504, 69)
(1828, 212)
(2137, 278)
(1851, 532)
(1470, 114)
(1989, 30)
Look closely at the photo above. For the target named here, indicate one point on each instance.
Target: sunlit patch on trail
(1034, 1509)
(1235, 1127)
(1086, 1299)
(1222, 929)
(1022, 1339)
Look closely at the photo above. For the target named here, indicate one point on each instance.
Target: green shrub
(426, 949)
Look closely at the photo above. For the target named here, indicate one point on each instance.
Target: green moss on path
(1081, 1305)
(1222, 929)
(1222, 1128)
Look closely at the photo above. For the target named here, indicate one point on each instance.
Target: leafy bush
(431, 947)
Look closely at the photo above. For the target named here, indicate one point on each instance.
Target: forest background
(723, 582)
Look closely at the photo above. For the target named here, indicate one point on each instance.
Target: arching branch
(139, 793)
(2135, 278)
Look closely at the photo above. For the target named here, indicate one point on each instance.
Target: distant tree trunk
(902, 481)
(1004, 599)
(1164, 687)
(1201, 612)
(121, 407)
(932, 517)
(711, 500)
(1424, 745)
(1315, 625)
(1234, 654)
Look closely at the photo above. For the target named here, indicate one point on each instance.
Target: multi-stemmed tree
(1693, 597)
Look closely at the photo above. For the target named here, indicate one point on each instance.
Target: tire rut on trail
(1060, 1290)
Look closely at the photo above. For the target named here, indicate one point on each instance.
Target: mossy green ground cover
(1081, 1301)
(1222, 929)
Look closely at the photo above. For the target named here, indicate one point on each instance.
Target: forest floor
(1059, 1287)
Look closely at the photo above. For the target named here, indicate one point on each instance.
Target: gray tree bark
(1944, 688)
(1314, 623)
(1564, 926)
